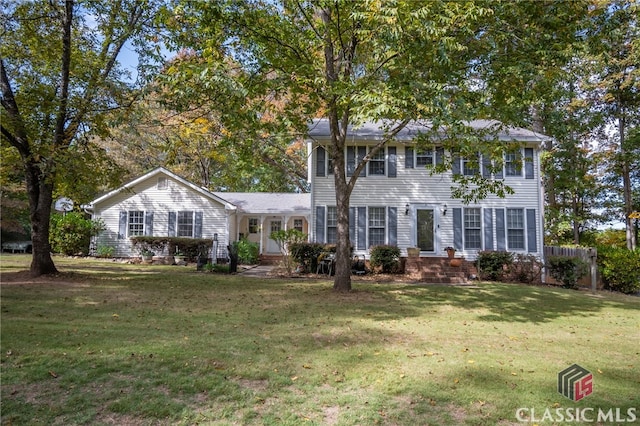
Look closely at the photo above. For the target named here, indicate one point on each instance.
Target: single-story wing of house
(161, 203)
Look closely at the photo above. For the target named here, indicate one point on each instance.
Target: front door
(425, 229)
(274, 226)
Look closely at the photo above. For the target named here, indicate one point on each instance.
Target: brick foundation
(438, 270)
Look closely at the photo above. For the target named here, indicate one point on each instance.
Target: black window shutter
(172, 224)
(321, 161)
(488, 229)
(197, 227)
(408, 157)
(455, 165)
(439, 155)
(532, 241)
(351, 160)
(122, 225)
(391, 162)
(148, 223)
(320, 224)
(457, 228)
(528, 163)
(501, 243)
(362, 152)
(393, 226)
(362, 228)
(352, 224)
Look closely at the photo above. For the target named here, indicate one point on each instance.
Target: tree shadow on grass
(513, 302)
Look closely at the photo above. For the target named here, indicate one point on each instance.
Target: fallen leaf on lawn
(599, 371)
(471, 361)
(294, 378)
(456, 381)
(513, 373)
(306, 366)
(53, 374)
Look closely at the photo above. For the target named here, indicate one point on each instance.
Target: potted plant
(451, 252)
(178, 256)
(413, 251)
(147, 255)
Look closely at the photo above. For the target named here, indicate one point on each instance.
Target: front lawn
(108, 343)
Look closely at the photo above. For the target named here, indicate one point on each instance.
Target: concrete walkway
(257, 271)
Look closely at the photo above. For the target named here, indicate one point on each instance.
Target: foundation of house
(439, 270)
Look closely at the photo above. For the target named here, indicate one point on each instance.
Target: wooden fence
(588, 255)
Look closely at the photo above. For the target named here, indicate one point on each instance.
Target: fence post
(593, 255)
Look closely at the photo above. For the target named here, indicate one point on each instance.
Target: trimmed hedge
(567, 270)
(191, 248)
(493, 265)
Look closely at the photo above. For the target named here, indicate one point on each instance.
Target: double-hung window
(253, 225)
(470, 167)
(377, 226)
(512, 164)
(136, 223)
(185, 224)
(424, 158)
(515, 229)
(472, 229)
(376, 163)
(332, 225)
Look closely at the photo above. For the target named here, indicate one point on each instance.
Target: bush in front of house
(306, 254)
(568, 270)
(71, 233)
(191, 248)
(248, 252)
(526, 268)
(619, 269)
(493, 265)
(385, 256)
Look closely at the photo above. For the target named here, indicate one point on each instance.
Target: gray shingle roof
(268, 202)
(319, 128)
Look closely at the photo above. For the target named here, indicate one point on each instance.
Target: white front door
(274, 225)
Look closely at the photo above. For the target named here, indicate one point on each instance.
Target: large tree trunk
(40, 191)
(342, 281)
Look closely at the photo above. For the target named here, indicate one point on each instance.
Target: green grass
(108, 343)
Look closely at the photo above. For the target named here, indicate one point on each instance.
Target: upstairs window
(424, 158)
(512, 164)
(376, 163)
(162, 183)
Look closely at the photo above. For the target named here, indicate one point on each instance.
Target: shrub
(492, 265)
(526, 268)
(568, 270)
(105, 251)
(619, 269)
(71, 233)
(191, 248)
(285, 239)
(247, 252)
(385, 256)
(307, 254)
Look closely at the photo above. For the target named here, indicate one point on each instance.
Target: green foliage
(493, 265)
(71, 233)
(619, 268)
(191, 248)
(526, 268)
(105, 251)
(285, 238)
(307, 254)
(216, 267)
(611, 238)
(566, 269)
(248, 252)
(385, 256)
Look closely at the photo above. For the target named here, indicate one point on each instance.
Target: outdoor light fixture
(406, 209)
(444, 210)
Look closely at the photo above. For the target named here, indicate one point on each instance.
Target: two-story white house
(397, 200)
